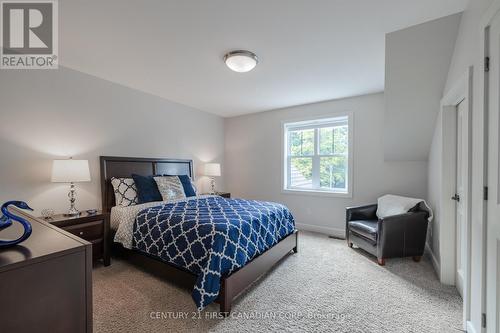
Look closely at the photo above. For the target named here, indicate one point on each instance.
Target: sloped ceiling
(309, 50)
(417, 64)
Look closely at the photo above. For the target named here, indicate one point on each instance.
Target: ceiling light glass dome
(241, 61)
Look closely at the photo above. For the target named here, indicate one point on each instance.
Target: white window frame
(316, 123)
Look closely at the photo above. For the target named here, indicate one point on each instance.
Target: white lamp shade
(70, 171)
(212, 169)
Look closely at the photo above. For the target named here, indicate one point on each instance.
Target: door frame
(486, 21)
(461, 92)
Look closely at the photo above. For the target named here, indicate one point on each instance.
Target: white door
(493, 203)
(460, 196)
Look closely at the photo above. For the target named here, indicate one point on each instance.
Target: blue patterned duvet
(211, 237)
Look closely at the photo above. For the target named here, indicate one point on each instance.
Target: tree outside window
(317, 155)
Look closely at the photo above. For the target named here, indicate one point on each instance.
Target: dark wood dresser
(46, 281)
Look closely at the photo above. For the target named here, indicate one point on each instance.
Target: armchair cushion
(365, 228)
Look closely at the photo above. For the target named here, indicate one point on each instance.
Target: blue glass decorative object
(6, 221)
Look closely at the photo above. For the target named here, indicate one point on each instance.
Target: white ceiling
(309, 51)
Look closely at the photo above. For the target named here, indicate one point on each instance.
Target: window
(317, 155)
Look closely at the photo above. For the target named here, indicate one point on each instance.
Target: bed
(231, 242)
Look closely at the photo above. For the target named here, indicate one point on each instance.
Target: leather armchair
(394, 236)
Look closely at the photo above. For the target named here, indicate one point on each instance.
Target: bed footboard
(241, 279)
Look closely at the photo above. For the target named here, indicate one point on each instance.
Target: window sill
(317, 193)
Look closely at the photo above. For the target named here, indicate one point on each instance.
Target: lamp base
(72, 212)
(212, 186)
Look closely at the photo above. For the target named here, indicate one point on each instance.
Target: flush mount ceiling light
(241, 61)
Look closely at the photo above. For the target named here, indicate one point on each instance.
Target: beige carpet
(324, 287)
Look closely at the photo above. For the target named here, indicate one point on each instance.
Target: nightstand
(221, 194)
(94, 228)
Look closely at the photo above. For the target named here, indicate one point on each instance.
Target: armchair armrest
(402, 235)
(366, 212)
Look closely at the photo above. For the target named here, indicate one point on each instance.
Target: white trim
(349, 115)
(468, 209)
(461, 91)
(336, 232)
(470, 327)
(317, 193)
(482, 170)
(435, 262)
(316, 123)
(447, 216)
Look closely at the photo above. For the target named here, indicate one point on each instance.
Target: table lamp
(212, 170)
(71, 171)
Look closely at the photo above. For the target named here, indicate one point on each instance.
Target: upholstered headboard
(126, 166)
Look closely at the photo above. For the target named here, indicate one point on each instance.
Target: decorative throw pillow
(147, 190)
(170, 187)
(193, 185)
(125, 191)
(187, 184)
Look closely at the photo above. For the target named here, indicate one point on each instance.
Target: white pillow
(389, 205)
(125, 192)
(170, 187)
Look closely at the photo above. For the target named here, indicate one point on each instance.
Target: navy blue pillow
(186, 184)
(147, 190)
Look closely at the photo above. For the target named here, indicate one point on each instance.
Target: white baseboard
(336, 232)
(435, 262)
(470, 327)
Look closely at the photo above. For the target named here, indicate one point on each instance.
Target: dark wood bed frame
(232, 284)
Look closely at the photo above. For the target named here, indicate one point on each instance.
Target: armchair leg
(381, 261)
(417, 258)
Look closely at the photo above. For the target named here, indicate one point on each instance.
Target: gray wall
(253, 162)
(47, 114)
(434, 187)
(417, 62)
